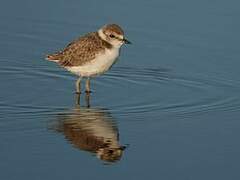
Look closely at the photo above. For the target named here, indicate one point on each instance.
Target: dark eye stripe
(113, 36)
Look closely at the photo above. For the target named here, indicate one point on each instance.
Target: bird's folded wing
(78, 52)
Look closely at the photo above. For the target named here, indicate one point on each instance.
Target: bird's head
(113, 34)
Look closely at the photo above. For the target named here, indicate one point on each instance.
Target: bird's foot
(88, 92)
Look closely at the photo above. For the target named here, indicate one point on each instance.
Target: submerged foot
(88, 92)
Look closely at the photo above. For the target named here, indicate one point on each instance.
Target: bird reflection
(91, 129)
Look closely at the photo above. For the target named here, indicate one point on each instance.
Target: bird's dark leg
(88, 85)
(87, 98)
(78, 85)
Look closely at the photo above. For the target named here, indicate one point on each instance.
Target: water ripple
(153, 90)
(201, 94)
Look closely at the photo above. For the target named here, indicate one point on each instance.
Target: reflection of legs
(87, 98)
(88, 85)
(78, 99)
(78, 85)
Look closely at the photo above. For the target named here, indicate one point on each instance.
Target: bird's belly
(98, 66)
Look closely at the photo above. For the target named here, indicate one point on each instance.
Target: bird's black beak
(126, 41)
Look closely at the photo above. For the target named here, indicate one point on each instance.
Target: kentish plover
(92, 54)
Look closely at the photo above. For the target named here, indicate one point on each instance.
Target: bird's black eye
(112, 36)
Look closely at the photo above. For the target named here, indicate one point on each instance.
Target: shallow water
(169, 108)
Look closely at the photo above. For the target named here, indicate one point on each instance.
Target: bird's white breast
(97, 66)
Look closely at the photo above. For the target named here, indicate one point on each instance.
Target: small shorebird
(91, 55)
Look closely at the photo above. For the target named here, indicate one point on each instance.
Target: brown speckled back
(80, 51)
